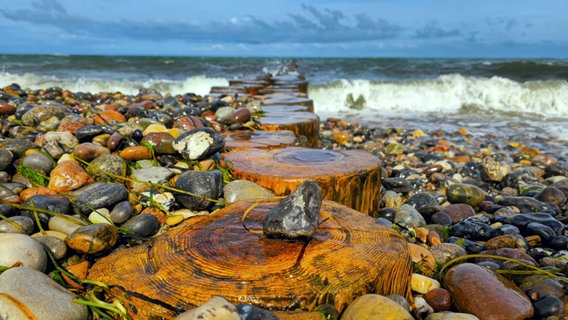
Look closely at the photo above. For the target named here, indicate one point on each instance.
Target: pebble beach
(87, 174)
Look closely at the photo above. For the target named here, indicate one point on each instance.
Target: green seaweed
(35, 177)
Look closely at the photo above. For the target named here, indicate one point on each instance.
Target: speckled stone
(465, 193)
(199, 143)
(110, 163)
(217, 308)
(57, 143)
(6, 158)
(409, 216)
(100, 197)
(93, 238)
(41, 113)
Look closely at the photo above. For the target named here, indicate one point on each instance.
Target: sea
(522, 100)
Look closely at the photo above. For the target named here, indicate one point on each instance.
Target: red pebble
(439, 299)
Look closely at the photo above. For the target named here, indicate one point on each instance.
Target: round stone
(121, 212)
(240, 115)
(374, 306)
(201, 184)
(142, 225)
(106, 195)
(199, 143)
(6, 158)
(465, 193)
(107, 167)
(38, 162)
(68, 175)
(18, 249)
(26, 225)
(238, 190)
(89, 151)
(93, 238)
(56, 246)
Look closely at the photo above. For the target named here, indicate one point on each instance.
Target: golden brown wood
(349, 255)
(304, 124)
(351, 177)
(258, 139)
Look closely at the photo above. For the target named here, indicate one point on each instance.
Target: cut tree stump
(350, 177)
(258, 139)
(226, 254)
(286, 108)
(303, 124)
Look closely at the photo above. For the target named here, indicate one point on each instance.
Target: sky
(287, 28)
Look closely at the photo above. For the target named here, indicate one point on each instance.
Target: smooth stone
(57, 203)
(199, 143)
(101, 215)
(217, 308)
(422, 307)
(545, 232)
(204, 184)
(509, 253)
(135, 153)
(448, 315)
(89, 151)
(66, 225)
(402, 301)
(542, 286)
(68, 175)
(422, 284)
(223, 114)
(387, 213)
(548, 306)
(157, 175)
(121, 212)
(160, 200)
(422, 259)
(465, 193)
(38, 294)
(397, 184)
(238, 190)
(27, 225)
(503, 241)
(250, 312)
(552, 194)
(295, 217)
(17, 147)
(522, 220)
(374, 306)
(410, 217)
(472, 229)
(34, 116)
(424, 202)
(161, 142)
(57, 143)
(93, 238)
(240, 115)
(494, 170)
(391, 199)
(486, 294)
(56, 246)
(100, 197)
(142, 225)
(38, 162)
(444, 252)
(441, 218)
(21, 250)
(458, 211)
(6, 158)
(111, 164)
(469, 245)
(439, 299)
(526, 204)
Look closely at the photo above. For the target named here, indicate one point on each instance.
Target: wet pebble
(374, 306)
(199, 143)
(89, 151)
(409, 216)
(142, 225)
(56, 246)
(38, 162)
(202, 184)
(34, 116)
(215, 308)
(444, 252)
(57, 204)
(439, 299)
(548, 306)
(106, 195)
(238, 190)
(107, 167)
(121, 212)
(17, 224)
(161, 142)
(68, 175)
(465, 193)
(6, 158)
(458, 211)
(58, 143)
(18, 249)
(424, 203)
(93, 238)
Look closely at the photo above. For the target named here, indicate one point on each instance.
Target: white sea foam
(447, 94)
(196, 84)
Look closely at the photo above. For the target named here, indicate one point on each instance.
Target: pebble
(18, 249)
(56, 144)
(34, 116)
(217, 308)
(26, 225)
(161, 142)
(408, 216)
(89, 151)
(65, 225)
(142, 225)
(121, 212)
(37, 294)
(57, 204)
(444, 252)
(423, 284)
(448, 315)
(424, 203)
(68, 175)
(202, 184)
(199, 143)
(6, 158)
(157, 175)
(439, 299)
(465, 193)
(485, 294)
(38, 162)
(374, 306)
(107, 167)
(55, 245)
(239, 190)
(93, 238)
(103, 196)
(296, 216)
(458, 211)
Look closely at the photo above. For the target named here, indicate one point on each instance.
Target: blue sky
(291, 28)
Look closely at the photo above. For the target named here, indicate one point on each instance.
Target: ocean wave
(451, 94)
(200, 85)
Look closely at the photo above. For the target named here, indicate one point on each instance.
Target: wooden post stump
(224, 253)
(286, 108)
(259, 139)
(304, 124)
(350, 177)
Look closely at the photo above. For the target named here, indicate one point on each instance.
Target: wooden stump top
(224, 254)
(259, 139)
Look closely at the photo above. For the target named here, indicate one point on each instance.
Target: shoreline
(444, 191)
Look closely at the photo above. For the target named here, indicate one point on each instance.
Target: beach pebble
(56, 246)
(68, 175)
(158, 175)
(217, 308)
(161, 142)
(38, 162)
(240, 115)
(93, 238)
(424, 203)
(396, 184)
(473, 229)
(6, 158)
(34, 116)
(374, 306)
(58, 143)
(409, 217)
(458, 211)
(27, 225)
(250, 312)
(199, 143)
(135, 153)
(101, 215)
(422, 258)
(142, 225)
(439, 299)
(422, 284)
(485, 294)
(89, 151)
(548, 306)
(38, 294)
(18, 249)
(527, 204)
(57, 203)
(110, 163)
(208, 184)
(494, 170)
(121, 212)
(448, 315)
(465, 193)
(66, 225)
(106, 195)
(444, 252)
(422, 307)
(297, 215)
(238, 190)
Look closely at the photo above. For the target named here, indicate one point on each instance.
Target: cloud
(309, 26)
(432, 30)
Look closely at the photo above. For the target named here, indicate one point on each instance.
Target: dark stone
(441, 218)
(522, 220)
(472, 229)
(100, 197)
(548, 306)
(38, 162)
(250, 312)
(539, 286)
(465, 193)
(507, 229)
(527, 204)
(88, 132)
(203, 184)
(469, 245)
(545, 232)
(424, 202)
(57, 204)
(397, 184)
(199, 143)
(559, 242)
(121, 212)
(387, 213)
(458, 211)
(142, 225)
(295, 217)
(6, 158)
(551, 194)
